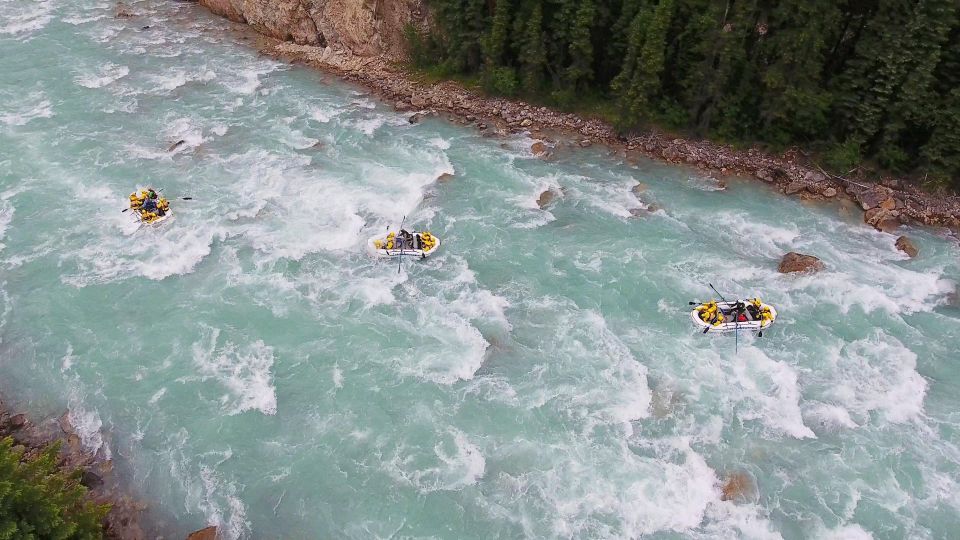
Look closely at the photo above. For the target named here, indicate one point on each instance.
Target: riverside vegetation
(858, 82)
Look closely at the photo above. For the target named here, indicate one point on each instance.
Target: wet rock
(794, 187)
(739, 487)
(207, 533)
(526, 122)
(17, 421)
(872, 198)
(829, 192)
(638, 189)
(546, 198)
(764, 174)
(586, 143)
(91, 479)
(444, 178)
(176, 145)
(882, 219)
(797, 262)
(538, 148)
(416, 118)
(888, 204)
(905, 245)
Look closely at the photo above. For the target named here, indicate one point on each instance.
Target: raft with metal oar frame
(704, 316)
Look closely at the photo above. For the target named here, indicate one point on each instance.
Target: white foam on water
(878, 373)
(455, 464)
(86, 422)
(234, 524)
(68, 358)
(244, 371)
(440, 143)
(22, 19)
(771, 391)
(324, 112)
(157, 396)
(175, 78)
(6, 217)
(582, 490)
(452, 348)
(245, 78)
(34, 105)
(846, 532)
(102, 76)
(828, 417)
(295, 138)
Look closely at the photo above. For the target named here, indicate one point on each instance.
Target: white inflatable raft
(729, 324)
(376, 247)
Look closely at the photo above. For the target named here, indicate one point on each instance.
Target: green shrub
(841, 158)
(501, 81)
(37, 500)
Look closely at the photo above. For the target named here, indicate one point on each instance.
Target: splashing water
(247, 365)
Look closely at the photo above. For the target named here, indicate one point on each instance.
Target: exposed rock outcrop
(363, 28)
(797, 262)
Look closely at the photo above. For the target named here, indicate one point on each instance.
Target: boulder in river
(176, 145)
(797, 262)
(445, 177)
(739, 487)
(905, 245)
(538, 148)
(206, 533)
(546, 198)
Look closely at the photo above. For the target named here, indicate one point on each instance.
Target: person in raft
(151, 203)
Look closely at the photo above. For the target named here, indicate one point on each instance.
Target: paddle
(400, 258)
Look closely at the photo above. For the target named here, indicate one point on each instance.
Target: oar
(400, 258)
(716, 291)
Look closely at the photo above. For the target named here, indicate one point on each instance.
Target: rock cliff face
(362, 27)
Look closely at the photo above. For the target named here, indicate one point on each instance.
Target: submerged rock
(905, 245)
(739, 487)
(207, 533)
(797, 262)
(176, 145)
(445, 177)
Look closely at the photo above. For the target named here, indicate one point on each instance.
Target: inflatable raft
(758, 314)
(145, 217)
(387, 245)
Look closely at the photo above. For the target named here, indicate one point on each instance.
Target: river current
(247, 364)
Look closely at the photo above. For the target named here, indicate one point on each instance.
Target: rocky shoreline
(123, 520)
(886, 205)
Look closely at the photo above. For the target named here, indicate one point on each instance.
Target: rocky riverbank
(886, 205)
(123, 520)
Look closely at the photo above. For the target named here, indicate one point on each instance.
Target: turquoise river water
(247, 364)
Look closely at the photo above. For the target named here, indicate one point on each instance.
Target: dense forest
(855, 81)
